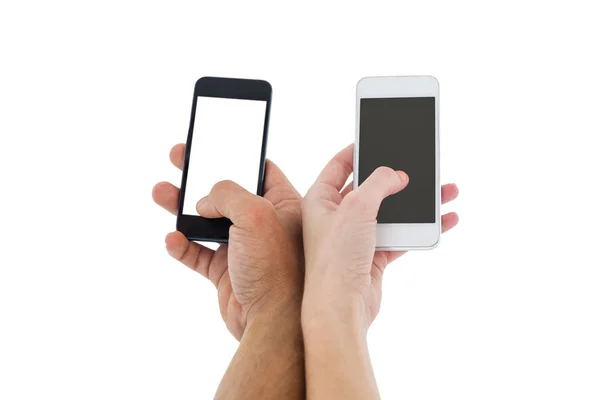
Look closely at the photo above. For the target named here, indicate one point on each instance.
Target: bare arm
(337, 357)
(342, 290)
(269, 363)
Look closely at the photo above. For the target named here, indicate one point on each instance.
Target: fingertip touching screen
(226, 144)
(400, 133)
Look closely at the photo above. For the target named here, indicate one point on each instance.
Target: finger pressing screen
(228, 199)
(382, 183)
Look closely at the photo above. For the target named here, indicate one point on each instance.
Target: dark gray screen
(400, 133)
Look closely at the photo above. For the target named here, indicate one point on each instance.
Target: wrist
(330, 296)
(276, 334)
(282, 312)
(279, 302)
(327, 313)
(336, 351)
(271, 347)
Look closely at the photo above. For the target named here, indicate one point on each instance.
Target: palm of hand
(365, 276)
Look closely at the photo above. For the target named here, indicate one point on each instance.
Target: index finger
(337, 171)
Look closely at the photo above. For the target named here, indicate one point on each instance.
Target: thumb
(383, 182)
(228, 199)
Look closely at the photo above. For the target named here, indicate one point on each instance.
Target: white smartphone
(397, 125)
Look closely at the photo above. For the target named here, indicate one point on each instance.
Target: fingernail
(402, 176)
(200, 201)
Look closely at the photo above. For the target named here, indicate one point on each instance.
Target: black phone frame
(202, 229)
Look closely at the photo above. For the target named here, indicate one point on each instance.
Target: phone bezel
(414, 235)
(217, 229)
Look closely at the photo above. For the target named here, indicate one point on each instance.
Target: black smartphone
(227, 140)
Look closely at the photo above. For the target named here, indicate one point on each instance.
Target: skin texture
(241, 284)
(269, 363)
(343, 279)
(264, 268)
(259, 278)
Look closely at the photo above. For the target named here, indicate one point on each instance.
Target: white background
(93, 96)
(227, 142)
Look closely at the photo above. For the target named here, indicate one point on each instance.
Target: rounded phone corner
(267, 84)
(202, 79)
(362, 80)
(435, 244)
(433, 79)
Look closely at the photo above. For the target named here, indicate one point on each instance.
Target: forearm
(269, 363)
(336, 355)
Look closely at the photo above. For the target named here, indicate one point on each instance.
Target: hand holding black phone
(227, 140)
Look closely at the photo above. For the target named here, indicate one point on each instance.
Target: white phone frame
(403, 236)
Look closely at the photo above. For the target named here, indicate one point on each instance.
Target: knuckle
(260, 212)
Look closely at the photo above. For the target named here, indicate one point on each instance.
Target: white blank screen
(226, 145)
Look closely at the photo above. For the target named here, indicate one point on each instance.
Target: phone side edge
(263, 150)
